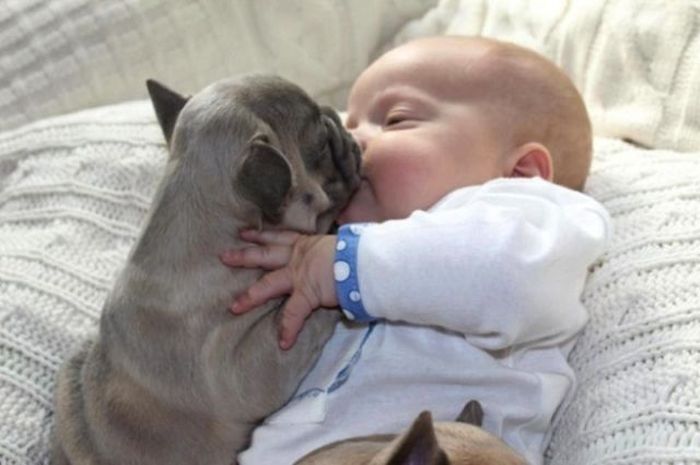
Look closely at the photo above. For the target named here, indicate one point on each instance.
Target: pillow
(638, 360)
(63, 56)
(635, 62)
(73, 193)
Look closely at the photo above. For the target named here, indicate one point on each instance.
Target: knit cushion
(60, 56)
(638, 360)
(74, 190)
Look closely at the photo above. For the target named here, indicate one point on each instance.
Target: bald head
(527, 98)
(534, 101)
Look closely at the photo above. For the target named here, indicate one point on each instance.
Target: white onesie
(477, 298)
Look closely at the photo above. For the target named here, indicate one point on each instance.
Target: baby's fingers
(270, 237)
(274, 284)
(268, 257)
(294, 314)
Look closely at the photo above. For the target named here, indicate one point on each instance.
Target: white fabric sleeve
(504, 265)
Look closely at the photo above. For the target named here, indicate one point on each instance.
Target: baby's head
(441, 113)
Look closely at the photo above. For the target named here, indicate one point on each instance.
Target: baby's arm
(505, 265)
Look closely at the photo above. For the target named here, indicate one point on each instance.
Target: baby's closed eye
(394, 119)
(399, 119)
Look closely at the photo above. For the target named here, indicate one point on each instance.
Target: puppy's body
(173, 377)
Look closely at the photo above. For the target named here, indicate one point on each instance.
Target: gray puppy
(173, 377)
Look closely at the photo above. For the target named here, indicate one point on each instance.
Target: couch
(80, 154)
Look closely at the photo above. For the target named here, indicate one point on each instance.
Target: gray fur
(173, 377)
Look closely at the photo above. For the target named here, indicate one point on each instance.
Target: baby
(461, 258)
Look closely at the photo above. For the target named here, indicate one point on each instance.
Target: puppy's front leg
(275, 374)
(250, 375)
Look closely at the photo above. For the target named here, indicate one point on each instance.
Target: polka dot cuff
(347, 286)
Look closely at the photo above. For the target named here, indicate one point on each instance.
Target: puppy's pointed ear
(472, 414)
(167, 103)
(419, 446)
(264, 178)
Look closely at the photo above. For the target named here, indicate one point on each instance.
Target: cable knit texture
(60, 56)
(638, 360)
(73, 193)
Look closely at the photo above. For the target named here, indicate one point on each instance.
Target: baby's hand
(302, 267)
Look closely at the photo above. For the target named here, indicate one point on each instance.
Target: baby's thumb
(294, 314)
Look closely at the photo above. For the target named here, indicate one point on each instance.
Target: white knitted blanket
(638, 361)
(73, 191)
(58, 56)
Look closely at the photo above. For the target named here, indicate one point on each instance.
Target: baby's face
(421, 136)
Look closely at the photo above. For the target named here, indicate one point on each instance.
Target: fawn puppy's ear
(264, 178)
(419, 446)
(167, 103)
(472, 414)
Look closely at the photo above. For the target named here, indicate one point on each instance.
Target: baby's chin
(357, 214)
(362, 208)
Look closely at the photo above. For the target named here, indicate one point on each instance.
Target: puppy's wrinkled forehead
(278, 102)
(235, 109)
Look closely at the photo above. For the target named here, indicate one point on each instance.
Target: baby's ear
(530, 160)
(264, 178)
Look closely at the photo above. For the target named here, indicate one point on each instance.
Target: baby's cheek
(399, 184)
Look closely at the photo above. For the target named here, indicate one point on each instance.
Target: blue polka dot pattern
(345, 272)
